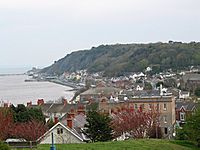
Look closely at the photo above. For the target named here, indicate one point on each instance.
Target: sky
(38, 32)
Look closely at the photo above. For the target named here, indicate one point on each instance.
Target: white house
(62, 134)
(184, 94)
(148, 69)
(139, 88)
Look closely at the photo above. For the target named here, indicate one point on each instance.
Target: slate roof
(188, 106)
(79, 121)
(56, 107)
(192, 76)
(142, 93)
(99, 90)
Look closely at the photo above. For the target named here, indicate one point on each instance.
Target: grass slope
(127, 145)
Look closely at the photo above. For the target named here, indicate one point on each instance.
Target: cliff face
(115, 60)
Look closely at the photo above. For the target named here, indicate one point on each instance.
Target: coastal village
(171, 93)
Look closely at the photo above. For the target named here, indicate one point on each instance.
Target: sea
(14, 90)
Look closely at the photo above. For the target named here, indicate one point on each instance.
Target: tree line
(119, 59)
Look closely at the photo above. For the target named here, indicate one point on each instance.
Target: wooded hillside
(116, 60)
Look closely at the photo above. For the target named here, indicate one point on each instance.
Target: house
(146, 100)
(184, 110)
(184, 94)
(96, 93)
(139, 87)
(148, 69)
(75, 118)
(190, 81)
(52, 110)
(62, 135)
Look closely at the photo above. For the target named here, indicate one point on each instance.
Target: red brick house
(184, 110)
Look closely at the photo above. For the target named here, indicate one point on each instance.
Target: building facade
(165, 105)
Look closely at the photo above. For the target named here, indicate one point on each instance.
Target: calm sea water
(14, 90)
(14, 70)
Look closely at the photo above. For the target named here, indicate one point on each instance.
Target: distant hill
(116, 60)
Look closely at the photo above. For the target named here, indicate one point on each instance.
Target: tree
(137, 124)
(50, 123)
(197, 92)
(191, 130)
(25, 114)
(98, 126)
(29, 131)
(147, 86)
(6, 123)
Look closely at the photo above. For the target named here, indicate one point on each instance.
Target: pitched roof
(56, 107)
(79, 121)
(101, 90)
(142, 93)
(64, 127)
(188, 106)
(192, 76)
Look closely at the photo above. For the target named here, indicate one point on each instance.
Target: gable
(61, 134)
(182, 109)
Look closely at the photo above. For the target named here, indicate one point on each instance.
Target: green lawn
(127, 145)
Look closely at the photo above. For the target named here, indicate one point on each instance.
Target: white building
(62, 134)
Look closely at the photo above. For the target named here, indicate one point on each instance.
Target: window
(165, 119)
(157, 107)
(136, 106)
(166, 130)
(142, 106)
(165, 106)
(182, 116)
(150, 106)
(59, 130)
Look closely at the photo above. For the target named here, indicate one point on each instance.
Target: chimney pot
(69, 122)
(40, 102)
(29, 104)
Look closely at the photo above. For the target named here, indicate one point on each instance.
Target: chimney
(161, 91)
(72, 113)
(40, 102)
(5, 104)
(55, 120)
(81, 110)
(131, 109)
(29, 104)
(64, 102)
(69, 121)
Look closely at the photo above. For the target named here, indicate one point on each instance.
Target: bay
(14, 90)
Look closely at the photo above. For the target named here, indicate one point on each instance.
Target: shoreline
(12, 74)
(71, 85)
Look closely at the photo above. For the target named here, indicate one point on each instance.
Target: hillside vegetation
(116, 60)
(126, 145)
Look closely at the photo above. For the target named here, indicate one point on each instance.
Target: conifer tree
(98, 126)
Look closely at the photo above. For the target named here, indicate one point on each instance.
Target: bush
(4, 146)
(182, 135)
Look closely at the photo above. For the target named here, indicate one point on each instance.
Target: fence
(21, 145)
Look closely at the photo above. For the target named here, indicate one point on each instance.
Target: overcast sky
(37, 32)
